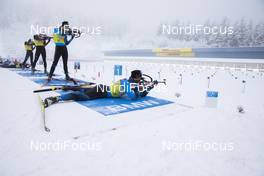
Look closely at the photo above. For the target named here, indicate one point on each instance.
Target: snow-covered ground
(193, 136)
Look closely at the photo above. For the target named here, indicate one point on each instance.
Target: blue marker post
(212, 94)
(77, 66)
(211, 99)
(118, 69)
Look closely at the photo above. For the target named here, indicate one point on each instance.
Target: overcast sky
(127, 15)
(135, 12)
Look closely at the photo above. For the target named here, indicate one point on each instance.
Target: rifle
(159, 82)
(65, 88)
(150, 80)
(143, 82)
(44, 36)
(75, 32)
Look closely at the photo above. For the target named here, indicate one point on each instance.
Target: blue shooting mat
(29, 74)
(111, 106)
(104, 106)
(17, 70)
(40, 77)
(14, 69)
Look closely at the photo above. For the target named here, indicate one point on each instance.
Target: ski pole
(48, 89)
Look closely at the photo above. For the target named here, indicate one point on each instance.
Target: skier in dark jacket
(125, 88)
(41, 41)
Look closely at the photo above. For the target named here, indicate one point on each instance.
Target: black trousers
(84, 94)
(60, 51)
(99, 91)
(29, 54)
(40, 50)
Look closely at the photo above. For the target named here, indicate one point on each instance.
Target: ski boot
(33, 71)
(49, 78)
(50, 100)
(67, 77)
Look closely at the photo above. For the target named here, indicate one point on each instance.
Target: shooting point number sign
(118, 70)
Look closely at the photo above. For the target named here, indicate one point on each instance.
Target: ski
(43, 113)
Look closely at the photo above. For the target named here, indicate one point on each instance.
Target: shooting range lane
(104, 106)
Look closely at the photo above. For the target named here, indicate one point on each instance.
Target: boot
(33, 70)
(67, 77)
(50, 100)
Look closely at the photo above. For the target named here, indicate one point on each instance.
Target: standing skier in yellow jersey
(40, 41)
(60, 38)
(29, 47)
